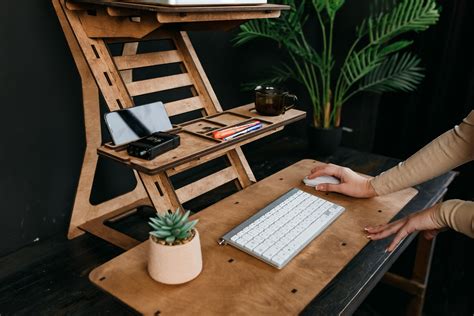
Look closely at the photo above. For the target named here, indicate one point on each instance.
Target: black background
(42, 131)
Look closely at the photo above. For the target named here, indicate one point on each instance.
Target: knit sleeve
(457, 214)
(451, 149)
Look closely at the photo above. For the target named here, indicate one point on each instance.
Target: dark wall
(42, 132)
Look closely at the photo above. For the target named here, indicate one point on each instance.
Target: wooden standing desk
(233, 282)
(91, 28)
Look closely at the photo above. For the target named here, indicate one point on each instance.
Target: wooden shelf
(113, 19)
(197, 141)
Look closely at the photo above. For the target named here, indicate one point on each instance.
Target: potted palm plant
(375, 62)
(175, 249)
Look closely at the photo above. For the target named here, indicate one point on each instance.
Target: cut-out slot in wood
(96, 53)
(228, 118)
(202, 126)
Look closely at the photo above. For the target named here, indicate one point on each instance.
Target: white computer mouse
(318, 180)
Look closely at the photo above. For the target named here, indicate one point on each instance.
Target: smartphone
(131, 124)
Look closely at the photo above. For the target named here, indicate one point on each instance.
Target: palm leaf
(360, 64)
(408, 15)
(396, 73)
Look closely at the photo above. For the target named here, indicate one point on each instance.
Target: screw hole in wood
(343, 244)
(230, 260)
(102, 279)
(380, 211)
(237, 202)
(157, 313)
(294, 291)
(281, 179)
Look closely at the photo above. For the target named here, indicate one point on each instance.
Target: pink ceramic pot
(175, 264)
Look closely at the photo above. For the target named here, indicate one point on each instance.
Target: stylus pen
(245, 131)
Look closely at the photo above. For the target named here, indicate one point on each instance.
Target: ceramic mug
(273, 101)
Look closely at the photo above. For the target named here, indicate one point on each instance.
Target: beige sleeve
(457, 214)
(451, 149)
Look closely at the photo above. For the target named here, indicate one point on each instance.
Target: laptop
(198, 2)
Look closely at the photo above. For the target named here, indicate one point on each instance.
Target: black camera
(153, 145)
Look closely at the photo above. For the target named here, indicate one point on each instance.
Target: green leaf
(169, 221)
(360, 64)
(396, 73)
(189, 225)
(319, 5)
(157, 221)
(184, 218)
(395, 47)
(154, 226)
(161, 233)
(170, 239)
(332, 6)
(408, 15)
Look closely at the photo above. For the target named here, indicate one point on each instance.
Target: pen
(232, 130)
(245, 131)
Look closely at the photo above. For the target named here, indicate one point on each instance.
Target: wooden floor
(50, 277)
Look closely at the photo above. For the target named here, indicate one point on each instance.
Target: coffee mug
(273, 101)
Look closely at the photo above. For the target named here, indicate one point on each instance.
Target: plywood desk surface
(234, 282)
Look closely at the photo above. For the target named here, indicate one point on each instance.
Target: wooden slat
(147, 60)
(206, 184)
(159, 84)
(183, 106)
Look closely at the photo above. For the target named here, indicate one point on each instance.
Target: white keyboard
(279, 231)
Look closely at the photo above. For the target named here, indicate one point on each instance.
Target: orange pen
(232, 130)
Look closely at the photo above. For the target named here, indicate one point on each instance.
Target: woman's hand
(352, 184)
(421, 221)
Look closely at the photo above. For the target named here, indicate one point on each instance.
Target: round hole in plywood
(281, 179)
(230, 260)
(294, 291)
(343, 244)
(380, 211)
(157, 313)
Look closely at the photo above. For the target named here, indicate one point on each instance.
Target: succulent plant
(172, 228)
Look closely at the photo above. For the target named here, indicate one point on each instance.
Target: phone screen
(131, 124)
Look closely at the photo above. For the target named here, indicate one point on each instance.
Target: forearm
(456, 214)
(446, 152)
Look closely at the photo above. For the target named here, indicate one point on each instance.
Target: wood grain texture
(130, 61)
(102, 25)
(159, 84)
(223, 286)
(165, 17)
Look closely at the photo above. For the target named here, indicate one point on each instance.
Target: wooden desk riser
(233, 282)
(89, 29)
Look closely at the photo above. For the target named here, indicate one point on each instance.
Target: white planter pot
(175, 264)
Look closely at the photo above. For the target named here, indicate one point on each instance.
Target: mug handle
(292, 105)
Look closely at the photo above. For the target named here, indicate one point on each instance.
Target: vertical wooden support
(417, 283)
(83, 210)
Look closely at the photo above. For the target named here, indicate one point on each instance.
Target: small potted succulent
(175, 249)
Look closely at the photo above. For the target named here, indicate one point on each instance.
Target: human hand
(352, 184)
(420, 221)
